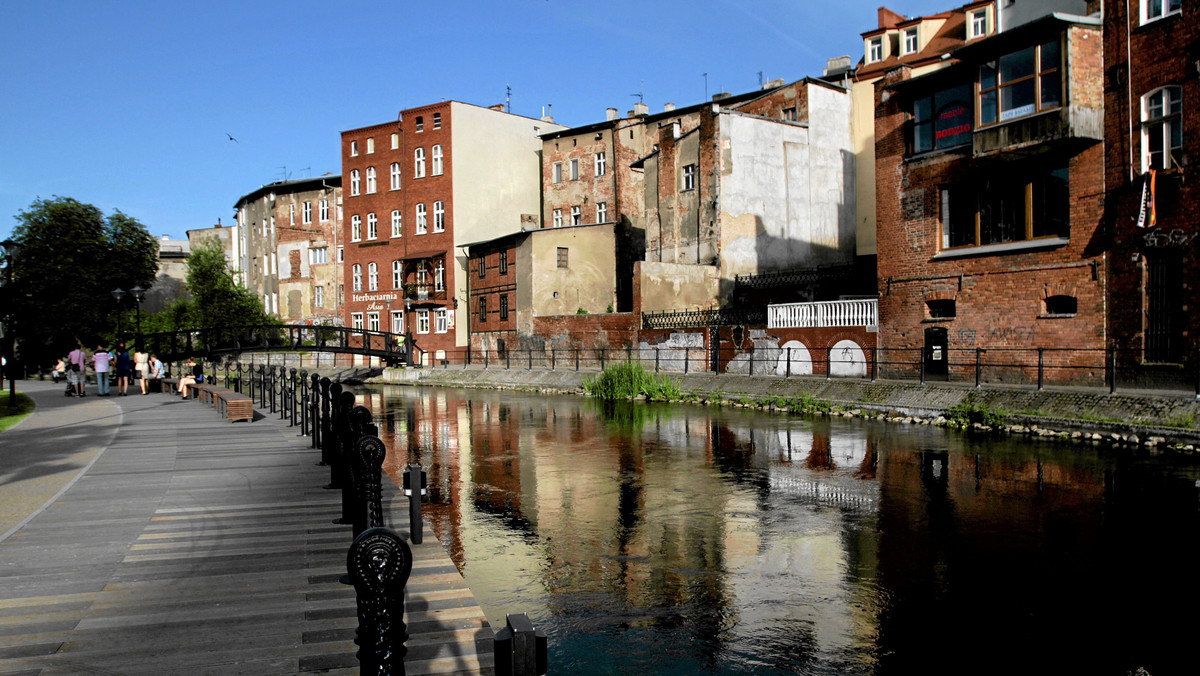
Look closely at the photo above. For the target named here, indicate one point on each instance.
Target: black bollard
(314, 416)
(322, 420)
(345, 447)
(239, 386)
(379, 563)
(366, 469)
(415, 476)
(262, 387)
(303, 402)
(520, 649)
(292, 398)
(331, 437)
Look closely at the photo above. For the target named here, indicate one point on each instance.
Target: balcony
(832, 313)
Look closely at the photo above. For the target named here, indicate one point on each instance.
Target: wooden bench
(205, 391)
(233, 405)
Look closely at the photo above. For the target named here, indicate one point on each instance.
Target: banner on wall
(1147, 218)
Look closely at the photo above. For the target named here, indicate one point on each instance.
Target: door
(937, 361)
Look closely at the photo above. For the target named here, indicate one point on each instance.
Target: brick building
(990, 203)
(417, 188)
(1151, 49)
(285, 248)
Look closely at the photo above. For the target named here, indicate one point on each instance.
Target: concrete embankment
(1134, 418)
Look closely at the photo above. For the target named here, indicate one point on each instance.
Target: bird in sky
(231, 138)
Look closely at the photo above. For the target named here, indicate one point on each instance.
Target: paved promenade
(143, 534)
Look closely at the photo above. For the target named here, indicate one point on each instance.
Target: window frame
(910, 34)
(601, 164)
(441, 320)
(1040, 72)
(1168, 123)
(323, 210)
(576, 215)
(395, 180)
(398, 273)
(371, 180)
(556, 172)
(601, 212)
(558, 220)
(355, 182)
(504, 307)
(574, 168)
(423, 321)
(875, 49)
(436, 158)
(503, 262)
(419, 163)
(437, 120)
(439, 216)
(372, 226)
(1029, 191)
(973, 23)
(354, 149)
(356, 278)
(372, 276)
(397, 223)
(564, 254)
(422, 223)
(689, 177)
(356, 321)
(1164, 10)
(483, 309)
(482, 258)
(356, 228)
(373, 321)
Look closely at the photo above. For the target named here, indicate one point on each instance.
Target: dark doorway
(937, 362)
(1164, 307)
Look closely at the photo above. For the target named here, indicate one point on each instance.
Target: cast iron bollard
(330, 434)
(262, 387)
(303, 402)
(415, 476)
(366, 467)
(345, 447)
(314, 418)
(227, 374)
(274, 383)
(292, 399)
(379, 563)
(239, 387)
(520, 649)
(323, 418)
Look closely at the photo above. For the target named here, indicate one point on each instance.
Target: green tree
(217, 300)
(71, 259)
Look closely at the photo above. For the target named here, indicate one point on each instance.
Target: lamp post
(11, 249)
(139, 294)
(118, 295)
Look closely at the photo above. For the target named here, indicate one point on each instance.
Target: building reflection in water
(714, 541)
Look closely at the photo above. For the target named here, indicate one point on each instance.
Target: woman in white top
(141, 363)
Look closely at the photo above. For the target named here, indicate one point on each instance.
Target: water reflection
(652, 539)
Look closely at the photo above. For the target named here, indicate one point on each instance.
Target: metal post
(828, 363)
(291, 409)
(303, 403)
(239, 388)
(552, 365)
(686, 354)
(324, 429)
(1041, 367)
(345, 445)
(379, 564)
(978, 366)
(656, 359)
(922, 366)
(874, 363)
(414, 487)
(521, 650)
(1112, 370)
(787, 372)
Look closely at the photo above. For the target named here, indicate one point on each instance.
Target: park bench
(234, 405)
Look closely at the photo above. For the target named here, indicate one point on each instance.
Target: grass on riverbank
(629, 381)
(12, 416)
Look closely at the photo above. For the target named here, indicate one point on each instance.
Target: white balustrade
(832, 313)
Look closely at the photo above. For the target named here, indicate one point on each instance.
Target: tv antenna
(508, 98)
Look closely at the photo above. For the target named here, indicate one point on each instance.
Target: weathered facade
(990, 203)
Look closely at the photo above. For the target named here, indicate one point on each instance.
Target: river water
(657, 539)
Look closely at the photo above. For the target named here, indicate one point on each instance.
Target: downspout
(1129, 87)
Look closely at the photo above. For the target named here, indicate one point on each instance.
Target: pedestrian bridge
(209, 343)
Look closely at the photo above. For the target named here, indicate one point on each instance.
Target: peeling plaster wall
(589, 279)
(787, 190)
(667, 287)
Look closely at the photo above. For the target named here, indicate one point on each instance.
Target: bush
(628, 381)
(970, 411)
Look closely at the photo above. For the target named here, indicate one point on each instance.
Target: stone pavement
(144, 534)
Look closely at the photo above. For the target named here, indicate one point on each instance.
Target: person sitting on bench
(196, 376)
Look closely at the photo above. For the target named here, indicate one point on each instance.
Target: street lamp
(139, 294)
(11, 249)
(118, 294)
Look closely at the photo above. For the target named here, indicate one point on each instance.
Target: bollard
(314, 418)
(303, 402)
(1041, 367)
(978, 366)
(329, 437)
(238, 385)
(521, 650)
(262, 387)
(415, 523)
(227, 374)
(378, 564)
(291, 398)
(274, 383)
(344, 446)
(366, 465)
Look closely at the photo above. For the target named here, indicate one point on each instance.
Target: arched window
(1162, 128)
(419, 163)
(397, 274)
(437, 160)
(355, 181)
(370, 180)
(372, 277)
(357, 277)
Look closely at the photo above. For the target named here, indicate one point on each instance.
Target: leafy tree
(217, 300)
(71, 258)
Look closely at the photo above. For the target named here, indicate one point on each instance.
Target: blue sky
(127, 105)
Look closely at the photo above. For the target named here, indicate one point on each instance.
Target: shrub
(970, 411)
(627, 381)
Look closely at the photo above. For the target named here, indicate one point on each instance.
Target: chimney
(772, 84)
(722, 95)
(610, 114)
(548, 115)
(498, 107)
(640, 108)
(668, 107)
(838, 65)
(218, 221)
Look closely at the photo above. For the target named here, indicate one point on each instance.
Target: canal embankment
(1140, 418)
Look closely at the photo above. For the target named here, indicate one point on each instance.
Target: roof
(293, 186)
(951, 35)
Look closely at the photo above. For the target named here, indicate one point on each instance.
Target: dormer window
(875, 49)
(910, 41)
(979, 23)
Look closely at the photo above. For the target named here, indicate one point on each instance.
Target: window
(318, 255)
(419, 163)
(942, 120)
(1157, 9)
(421, 218)
(601, 164)
(356, 320)
(437, 160)
(422, 321)
(1018, 207)
(504, 262)
(420, 124)
(558, 172)
(601, 212)
(575, 216)
(942, 309)
(482, 263)
(397, 321)
(395, 175)
(1026, 82)
(439, 217)
(372, 277)
(291, 214)
(562, 256)
(354, 149)
(370, 180)
(422, 274)
(397, 274)
(355, 228)
(439, 275)
(307, 212)
(789, 114)
(372, 321)
(441, 320)
(1162, 128)
(395, 141)
(356, 277)
(1061, 306)
(371, 145)
(979, 23)
(875, 49)
(318, 296)
(372, 226)
(910, 41)
(397, 224)
(437, 120)
(354, 181)
(482, 309)
(575, 170)
(323, 210)
(558, 218)
(689, 177)
(340, 257)
(503, 307)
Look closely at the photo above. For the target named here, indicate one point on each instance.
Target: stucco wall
(589, 279)
(673, 286)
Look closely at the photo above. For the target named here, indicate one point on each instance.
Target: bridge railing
(201, 342)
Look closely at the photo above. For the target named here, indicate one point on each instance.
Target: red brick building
(1151, 49)
(990, 205)
(415, 189)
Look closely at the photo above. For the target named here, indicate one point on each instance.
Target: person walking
(101, 364)
(141, 366)
(124, 366)
(77, 363)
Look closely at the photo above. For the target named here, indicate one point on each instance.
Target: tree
(71, 258)
(217, 300)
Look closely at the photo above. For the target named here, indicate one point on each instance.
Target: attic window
(875, 50)
(910, 41)
(1062, 306)
(942, 309)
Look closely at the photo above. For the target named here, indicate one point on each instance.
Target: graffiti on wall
(1168, 238)
(995, 334)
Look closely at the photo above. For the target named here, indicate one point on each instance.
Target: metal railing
(823, 314)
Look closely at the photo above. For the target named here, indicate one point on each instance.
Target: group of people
(106, 363)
